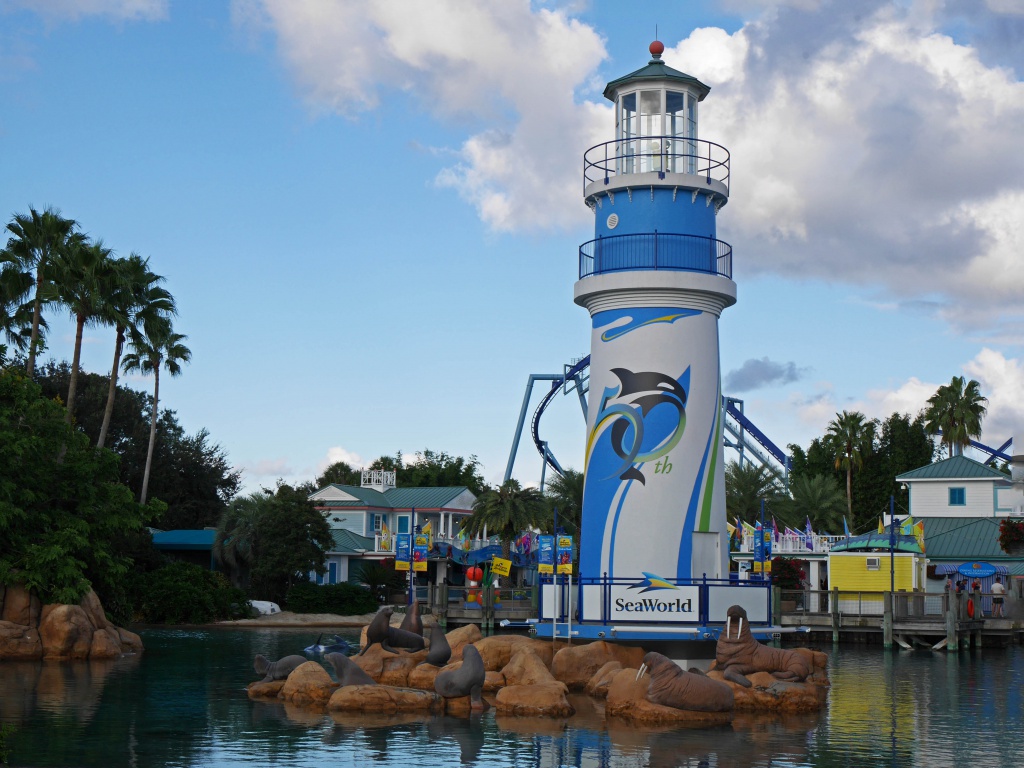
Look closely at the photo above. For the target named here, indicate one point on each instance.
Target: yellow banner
(767, 566)
(419, 565)
(565, 567)
(500, 566)
(401, 565)
(545, 568)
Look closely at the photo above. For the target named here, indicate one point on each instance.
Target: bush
(787, 573)
(183, 593)
(1011, 536)
(341, 599)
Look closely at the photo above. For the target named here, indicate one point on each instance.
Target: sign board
(501, 566)
(545, 554)
(419, 552)
(663, 604)
(564, 554)
(403, 546)
(977, 570)
(765, 567)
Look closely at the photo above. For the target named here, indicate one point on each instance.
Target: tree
(152, 349)
(234, 544)
(565, 493)
(35, 239)
(818, 498)
(15, 315)
(432, 469)
(851, 437)
(505, 512)
(137, 301)
(746, 486)
(292, 538)
(61, 521)
(83, 278)
(956, 410)
(341, 473)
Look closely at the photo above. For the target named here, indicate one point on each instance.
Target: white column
(814, 577)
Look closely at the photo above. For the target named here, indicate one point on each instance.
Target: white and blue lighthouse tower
(655, 280)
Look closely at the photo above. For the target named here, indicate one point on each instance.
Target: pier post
(887, 620)
(834, 607)
(441, 611)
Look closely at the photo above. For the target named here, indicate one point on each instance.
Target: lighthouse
(655, 279)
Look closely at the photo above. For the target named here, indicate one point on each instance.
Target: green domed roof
(657, 70)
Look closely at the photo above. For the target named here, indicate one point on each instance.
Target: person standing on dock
(998, 590)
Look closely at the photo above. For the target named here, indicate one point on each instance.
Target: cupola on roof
(657, 70)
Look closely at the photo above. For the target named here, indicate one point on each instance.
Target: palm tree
(83, 279)
(818, 498)
(36, 238)
(565, 492)
(506, 511)
(851, 436)
(137, 301)
(15, 316)
(746, 485)
(956, 410)
(152, 349)
(235, 542)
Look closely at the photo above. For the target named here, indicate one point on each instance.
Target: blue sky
(370, 212)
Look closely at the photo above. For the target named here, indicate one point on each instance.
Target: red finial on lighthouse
(657, 48)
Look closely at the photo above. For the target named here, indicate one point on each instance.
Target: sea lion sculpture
(381, 631)
(277, 670)
(467, 680)
(739, 654)
(347, 671)
(412, 621)
(440, 652)
(671, 686)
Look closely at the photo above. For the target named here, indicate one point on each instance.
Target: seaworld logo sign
(627, 604)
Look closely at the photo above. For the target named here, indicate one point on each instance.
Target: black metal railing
(656, 154)
(655, 251)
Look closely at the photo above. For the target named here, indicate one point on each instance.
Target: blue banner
(758, 543)
(403, 551)
(545, 554)
(977, 570)
(564, 554)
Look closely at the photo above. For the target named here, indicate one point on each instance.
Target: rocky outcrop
(535, 700)
(29, 630)
(526, 668)
(389, 668)
(598, 684)
(308, 685)
(576, 665)
(627, 699)
(460, 638)
(383, 699)
(766, 693)
(498, 650)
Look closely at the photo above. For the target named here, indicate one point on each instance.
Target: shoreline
(290, 620)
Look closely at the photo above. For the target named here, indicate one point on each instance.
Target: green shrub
(787, 573)
(183, 593)
(341, 599)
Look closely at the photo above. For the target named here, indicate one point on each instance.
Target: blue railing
(656, 154)
(653, 251)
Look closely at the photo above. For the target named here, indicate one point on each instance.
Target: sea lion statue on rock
(277, 670)
(739, 654)
(412, 621)
(694, 691)
(381, 631)
(467, 680)
(347, 671)
(440, 652)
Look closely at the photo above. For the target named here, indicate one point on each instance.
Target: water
(183, 703)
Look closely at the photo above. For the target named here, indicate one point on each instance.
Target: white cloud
(337, 453)
(266, 469)
(129, 10)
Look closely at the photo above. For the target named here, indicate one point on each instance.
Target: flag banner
(500, 566)
(545, 554)
(385, 536)
(403, 551)
(419, 552)
(564, 553)
(846, 527)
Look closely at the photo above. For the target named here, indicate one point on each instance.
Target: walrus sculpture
(347, 671)
(671, 686)
(381, 631)
(277, 670)
(467, 680)
(440, 652)
(412, 621)
(739, 654)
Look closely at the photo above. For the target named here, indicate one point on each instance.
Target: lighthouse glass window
(626, 145)
(651, 158)
(681, 130)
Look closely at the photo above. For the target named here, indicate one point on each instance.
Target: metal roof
(878, 541)
(656, 70)
(963, 538)
(184, 539)
(955, 468)
(394, 498)
(348, 543)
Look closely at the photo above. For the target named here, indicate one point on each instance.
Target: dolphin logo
(629, 405)
(650, 583)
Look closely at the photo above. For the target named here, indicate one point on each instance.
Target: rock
(463, 636)
(598, 684)
(94, 610)
(818, 663)
(261, 690)
(19, 642)
(462, 706)
(576, 665)
(383, 699)
(20, 607)
(66, 633)
(627, 699)
(106, 644)
(422, 677)
(493, 681)
(130, 642)
(537, 700)
(389, 668)
(308, 684)
(767, 694)
(498, 650)
(526, 668)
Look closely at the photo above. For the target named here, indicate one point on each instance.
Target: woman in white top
(998, 590)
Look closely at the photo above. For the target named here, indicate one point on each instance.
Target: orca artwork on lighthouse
(655, 280)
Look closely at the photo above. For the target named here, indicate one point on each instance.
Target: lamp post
(892, 544)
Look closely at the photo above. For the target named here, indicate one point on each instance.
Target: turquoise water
(183, 703)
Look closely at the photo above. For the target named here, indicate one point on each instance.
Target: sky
(370, 212)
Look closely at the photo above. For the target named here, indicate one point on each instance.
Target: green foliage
(434, 469)
(184, 593)
(291, 539)
(506, 511)
(341, 599)
(565, 493)
(746, 486)
(956, 410)
(819, 498)
(380, 577)
(62, 509)
(1011, 536)
(339, 473)
(6, 731)
(787, 573)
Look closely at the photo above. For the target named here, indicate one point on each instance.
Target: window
(403, 524)
(378, 522)
(957, 497)
(874, 563)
